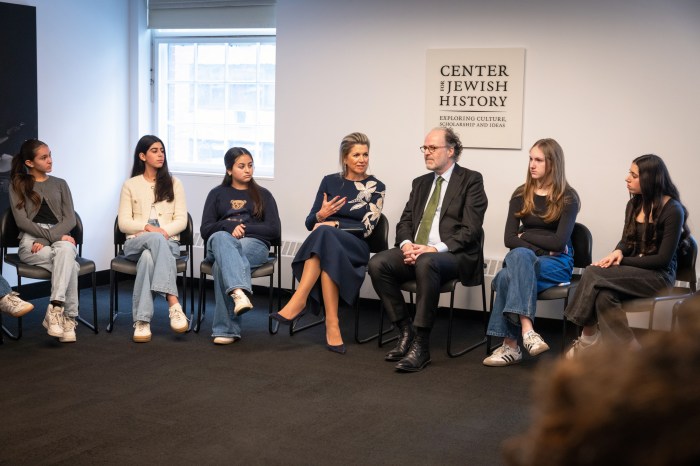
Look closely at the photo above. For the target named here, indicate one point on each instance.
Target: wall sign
(479, 93)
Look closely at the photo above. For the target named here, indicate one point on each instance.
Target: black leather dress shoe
(416, 359)
(402, 346)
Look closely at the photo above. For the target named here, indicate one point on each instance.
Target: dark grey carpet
(268, 399)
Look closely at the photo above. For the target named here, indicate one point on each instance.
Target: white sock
(590, 339)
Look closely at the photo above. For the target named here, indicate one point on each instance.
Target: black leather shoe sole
(401, 368)
(392, 357)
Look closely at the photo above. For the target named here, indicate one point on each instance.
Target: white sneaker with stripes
(504, 355)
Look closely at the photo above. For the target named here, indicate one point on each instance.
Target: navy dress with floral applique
(343, 251)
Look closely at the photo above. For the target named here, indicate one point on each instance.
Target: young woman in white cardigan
(153, 213)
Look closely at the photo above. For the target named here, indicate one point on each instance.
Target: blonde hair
(555, 175)
(346, 146)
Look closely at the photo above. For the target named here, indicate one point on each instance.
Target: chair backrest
(686, 264)
(9, 231)
(378, 241)
(187, 235)
(582, 241)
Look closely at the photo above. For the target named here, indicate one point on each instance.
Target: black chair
(121, 265)
(449, 287)
(265, 270)
(685, 310)
(9, 233)
(685, 272)
(378, 241)
(582, 242)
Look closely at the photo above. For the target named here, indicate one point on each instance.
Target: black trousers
(431, 270)
(600, 293)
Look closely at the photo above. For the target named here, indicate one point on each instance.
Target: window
(214, 93)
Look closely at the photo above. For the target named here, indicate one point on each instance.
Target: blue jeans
(156, 270)
(59, 259)
(517, 284)
(5, 287)
(232, 260)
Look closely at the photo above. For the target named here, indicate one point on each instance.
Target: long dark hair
(253, 188)
(654, 183)
(164, 181)
(22, 181)
(560, 194)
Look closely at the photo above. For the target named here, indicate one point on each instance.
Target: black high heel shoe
(340, 349)
(283, 320)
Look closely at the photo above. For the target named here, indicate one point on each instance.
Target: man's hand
(411, 252)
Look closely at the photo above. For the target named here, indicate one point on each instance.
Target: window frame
(203, 36)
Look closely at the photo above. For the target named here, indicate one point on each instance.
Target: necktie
(429, 214)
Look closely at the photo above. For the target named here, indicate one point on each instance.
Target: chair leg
(92, 326)
(202, 302)
(13, 336)
(272, 325)
(380, 332)
(450, 352)
(5, 330)
(489, 348)
(295, 328)
(184, 301)
(381, 341)
(191, 286)
(112, 300)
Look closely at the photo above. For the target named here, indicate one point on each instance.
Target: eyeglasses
(430, 149)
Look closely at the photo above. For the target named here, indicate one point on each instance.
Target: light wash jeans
(517, 284)
(5, 287)
(156, 271)
(232, 260)
(59, 259)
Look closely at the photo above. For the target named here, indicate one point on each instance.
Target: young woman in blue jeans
(239, 222)
(153, 213)
(541, 218)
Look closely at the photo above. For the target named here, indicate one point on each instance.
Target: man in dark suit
(437, 239)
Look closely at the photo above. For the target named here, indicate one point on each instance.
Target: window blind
(211, 14)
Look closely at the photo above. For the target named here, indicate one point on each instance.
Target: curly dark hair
(615, 405)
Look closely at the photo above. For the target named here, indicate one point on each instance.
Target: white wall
(83, 86)
(609, 80)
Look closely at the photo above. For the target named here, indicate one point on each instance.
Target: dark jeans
(431, 270)
(600, 293)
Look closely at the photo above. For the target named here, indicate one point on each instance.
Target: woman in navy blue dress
(331, 263)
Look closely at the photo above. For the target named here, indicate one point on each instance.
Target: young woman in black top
(643, 262)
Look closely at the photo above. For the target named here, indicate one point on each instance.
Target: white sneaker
(53, 321)
(578, 346)
(142, 331)
(224, 340)
(178, 321)
(69, 325)
(504, 355)
(12, 304)
(534, 344)
(241, 303)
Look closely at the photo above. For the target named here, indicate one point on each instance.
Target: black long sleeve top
(538, 235)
